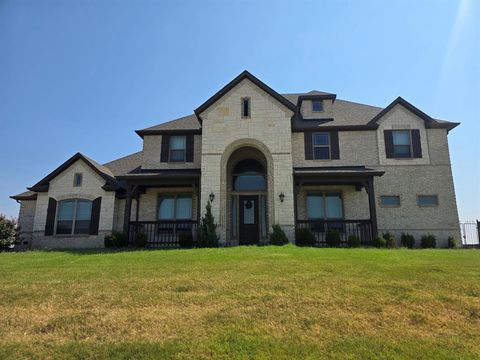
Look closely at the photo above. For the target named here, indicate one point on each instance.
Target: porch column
(372, 206)
(128, 209)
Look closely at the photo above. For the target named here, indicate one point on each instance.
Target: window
(321, 146)
(246, 107)
(177, 149)
(324, 206)
(73, 216)
(249, 175)
(77, 179)
(402, 144)
(175, 207)
(389, 200)
(427, 200)
(317, 105)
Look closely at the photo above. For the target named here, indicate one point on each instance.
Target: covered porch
(340, 198)
(162, 205)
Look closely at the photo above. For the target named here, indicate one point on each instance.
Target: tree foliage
(207, 231)
(9, 233)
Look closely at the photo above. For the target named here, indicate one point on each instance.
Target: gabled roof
(429, 121)
(187, 123)
(110, 182)
(244, 75)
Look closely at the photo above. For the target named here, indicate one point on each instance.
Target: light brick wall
(268, 129)
(26, 218)
(307, 112)
(62, 188)
(152, 146)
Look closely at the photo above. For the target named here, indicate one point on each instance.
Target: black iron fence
(470, 233)
(360, 228)
(163, 234)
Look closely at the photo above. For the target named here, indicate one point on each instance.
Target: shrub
(353, 241)
(9, 233)
(185, 240)
(304, 237)
(408, 241)
(278, 237)
(332, 238)
(428, 241)
(207, 231)
(141, 239)
(379, 242)
(390, 240)
(116, 239)
(452, 243)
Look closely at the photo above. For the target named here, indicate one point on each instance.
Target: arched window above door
(249, 175)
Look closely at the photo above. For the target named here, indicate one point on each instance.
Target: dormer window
(317, 105)
(177, 149)
(245, 107)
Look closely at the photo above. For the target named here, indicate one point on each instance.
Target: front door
(248, 229)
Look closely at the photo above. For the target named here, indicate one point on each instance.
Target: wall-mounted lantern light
(211, 196)
(281, 196)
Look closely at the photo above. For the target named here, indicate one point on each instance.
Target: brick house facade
(261, 158)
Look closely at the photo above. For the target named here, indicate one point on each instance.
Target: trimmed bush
(333, 238)
(304, 237)
(278, 237)
(408, 241)
(207, 230)
(116, 239)
(141, 239)
(428, 241)
(185, 240)
(353, 241)
(390, 240)
(379, 242)
(452, 243)
(9, 233)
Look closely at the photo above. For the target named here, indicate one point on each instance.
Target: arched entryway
(247, 196)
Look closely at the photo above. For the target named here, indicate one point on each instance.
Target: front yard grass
(241, 303)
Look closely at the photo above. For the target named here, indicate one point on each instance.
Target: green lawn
(241, 303)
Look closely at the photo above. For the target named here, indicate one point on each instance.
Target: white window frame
(323, 194)
(184, 149)
(410, 143)
(174, 197)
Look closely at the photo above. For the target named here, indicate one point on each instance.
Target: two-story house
(260, 158)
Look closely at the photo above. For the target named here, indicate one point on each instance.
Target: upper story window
(321, 146)
(390, 200)
(402, 144)
(177, 149)
(245, 107)
(73, 216)
(317, 105)
(427, 200)
(77, 179)
(175, 207)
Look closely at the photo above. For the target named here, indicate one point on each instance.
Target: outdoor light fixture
(281, 196)
(211, 196)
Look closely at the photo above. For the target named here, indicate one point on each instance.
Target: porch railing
(361, 228)
(163, 233)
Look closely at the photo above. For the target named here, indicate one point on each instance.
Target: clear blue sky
(83, 75)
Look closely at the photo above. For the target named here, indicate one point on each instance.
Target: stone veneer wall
(62, 188)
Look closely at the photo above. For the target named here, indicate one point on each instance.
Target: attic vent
(245, 107)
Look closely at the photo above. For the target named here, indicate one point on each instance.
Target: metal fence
(470, 233)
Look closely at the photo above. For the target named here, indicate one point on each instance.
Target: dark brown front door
(248, 220)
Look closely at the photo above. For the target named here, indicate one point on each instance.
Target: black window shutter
(416, 144)
(334, 145)
(189, 144)
(308, 146)
(388, 134)
(51, 212)
(95, 216)
(165, 148)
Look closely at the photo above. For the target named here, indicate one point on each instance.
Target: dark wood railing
(361, 228)
(162, 233)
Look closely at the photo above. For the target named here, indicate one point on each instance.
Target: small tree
(207, 231)
(9, 233)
